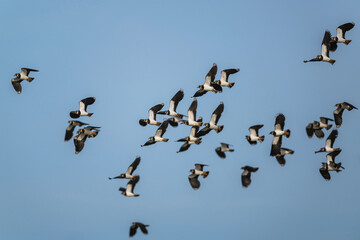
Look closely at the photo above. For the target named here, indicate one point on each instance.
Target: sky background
(132, 55)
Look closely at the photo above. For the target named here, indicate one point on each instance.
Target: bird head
(187, 138)
(201, 86)
(207, 125)
(334, 38)
(217, 82)
(123, 193)
(17, 75)
(122, 175)
(247, 138)
(167, 112)
(337, 105)
(70, 122)
(152, 138)
(272, 133)
(146, 120)
(320, 57)
(192, 170)
(316, 124)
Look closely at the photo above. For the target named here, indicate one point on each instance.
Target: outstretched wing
(217, 113)
(226, 72)
(211, 75)
(175, 100)
(133, 166)
(86, 102)
(162, 129)
(194, 182)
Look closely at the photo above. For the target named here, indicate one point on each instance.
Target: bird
(84, 103)
(339, 111)
(195, 173)
(152, 116)
(79, 142)
(312, 128)
(135, 225)
(330, 165)
(71, 127)
(174, 102)
(340, 33)
(158, 135)
(254, 134)
(324, 123)
(225, 76)
(19, 77)
(89, 131)
(209, 84)
(191, 139)
(192, 115)
(325, 47)
(129, 171)
(246, 175)
(330, 142)
(280, 156)
(224, 148)
(212, 125)
(129, 191)
(279, 126)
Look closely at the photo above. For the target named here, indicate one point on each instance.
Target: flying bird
(246, 175)
(225, 76)
(330, 165)
(209, 84)
(130, 186)
(195, 173)
(129, 171)
(192, 116)
(152, 116)
(224, 148)
(279, 126)
(325, 48)
(83, 106)
(340, 33)
(191, 139)
(330, 142)
(19, 77)
(254, 134)
(79, 142)
(339, 111)
(312, 128)
(280, 157)
(174, 102)
(71, 127)
(89, 131)
(212, 125)
(158, 135)
(135, 226)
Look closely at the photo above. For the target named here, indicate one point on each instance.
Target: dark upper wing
(348, 106)
(133, 229)
(331, 139)
(133, 166)
(346, 27)
(162, 129)
(209, 78)
(327, 38)
(194, 182)
(192, 110)
(184, 147)
(280, 121)
(220, 153)
(217, 113)
(199, 93)
(26, 71)
(87, 101)
(226, 72)
(176, 99)
(281, 160)
(199, 166)
(143, 228)
(69, 132)
(319, 133)
(310, 130)
(325, 173)
(17, 86)
(338, 116)
(203, 132)
(79, 142)
(154, 110)
(276, 145)
(255, 128)
(246, 178)
(132, 183)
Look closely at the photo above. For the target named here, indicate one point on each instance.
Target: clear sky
(132, 55)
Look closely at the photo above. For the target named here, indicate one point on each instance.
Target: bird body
(254, 134)
(225, 76)
(279, 126)
(224, 148)
(325, 48)
(130, 186)
(84, 103)
(192, 121)
(330, 142)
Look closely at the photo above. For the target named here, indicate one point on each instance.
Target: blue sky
(132, 55)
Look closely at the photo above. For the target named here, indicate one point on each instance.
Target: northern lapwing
(212, 125)
(340, 33)
(330, 142)
(279, 126)
(225, 76)
(70, 129)
(209, 84)
(330, 165)
(224, 148)
(192, 121)
(19, 77)
(195, 173)
(130, 186)
(246, 175)
(325, 48)
(254, 134)
(84, 103)
(176, 117)
(129, 171)
(280, 157)
(191, 139)
(152, 116)
(339, 111)
(135, 225)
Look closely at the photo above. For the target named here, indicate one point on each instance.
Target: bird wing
(192, 110)
(276, 145)
(310, 130)
(254, 130)
(325, 173)
(220, 153)
(280, 122)
(133, 229)
(130, 186)
(338, 116)
(26, 71)
(330, 157)
(175, 100)
(162, 129)
(281, 160)
(203, 132)
(349, 106)
(154, 110)
(79, 142)
(325, 120)
(224, 145)
(199, 93)
(193, 131)
(194, 182)
(85, 102)
(331, 139)
(199, 166)
(246, 178)
(133, 166)
(17, 86)
(209, 78)
(319, 133)
(217, 114)
(226, 72)
(184, 147)
(69, 132)
(143, 228)
(325, 44)
(342, 29)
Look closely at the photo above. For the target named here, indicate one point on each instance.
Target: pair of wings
(254, 130)
(137, 225)
(225, 74)
(280, 122)
(83, 106)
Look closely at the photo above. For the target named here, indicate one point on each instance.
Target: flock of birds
(196, 134)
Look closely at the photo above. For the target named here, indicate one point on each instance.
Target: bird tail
(332, 61)
(30, 79)
(231, 150)
(231, 84)
(261, 139)
(287, 133)
(165, 140)
(90, 114)
(205, 174)
(347, 42)
(220, 129)
(329, 126)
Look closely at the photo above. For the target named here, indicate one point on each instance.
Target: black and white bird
(212, 125)
(83, 108)
(130, 186)
(330, 165)
(135, 225)
(129, 171)
(209, 84)
(192, 121)
(279, 126)
(325, 48)
(246, 175)
(89, 131)
(254, 134)
(152, 116)
(340, 33)
(316, 127)
(176, 117)
(191, 139)
(158, 135)
(224, 148)
(19, 77)
(195, 173)
(330, 142)
(225, 76)
(71, 127)
(280, 157)
(339, 111)
(79, 142)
